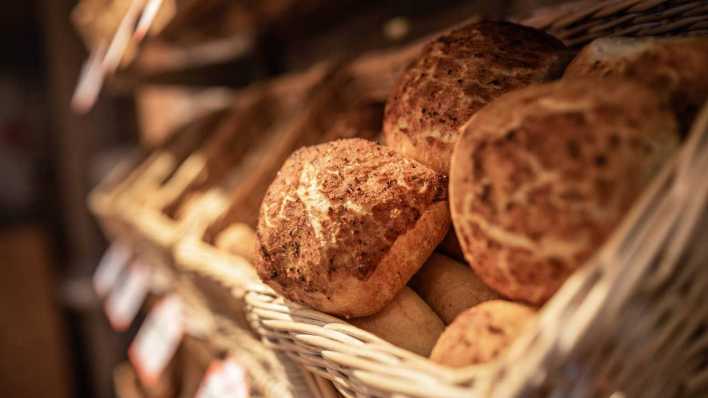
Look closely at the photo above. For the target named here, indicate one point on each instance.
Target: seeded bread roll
(450, 287)
(406, 322)
(542, 176)
(481, 333)
(345, 225)
(676, 68)
(456, 75)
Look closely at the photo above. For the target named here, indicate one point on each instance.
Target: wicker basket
(208, 174)
(102, 199)
(272, 375)
(224, 276)
(631, 323)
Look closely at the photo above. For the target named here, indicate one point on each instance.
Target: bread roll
(345, 225)
(542, 176)
(676, 68)
(456, 75)
(238, 239)
(481, 333)
(449, 287)
(450, 246)
(406, 322)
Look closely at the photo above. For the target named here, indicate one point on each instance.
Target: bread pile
(533, 168)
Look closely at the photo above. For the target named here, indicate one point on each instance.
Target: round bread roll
(450, 287)
(542, 176)
(481, 333)
(676, 68)
(406, 322)
(238, 238)
(456, 75)
(345, 225)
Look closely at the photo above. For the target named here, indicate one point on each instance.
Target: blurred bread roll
(543, 175)
(239, 239)
(457, 74)
(346, 224)
(676, 68)
(482, 333)
(406, 322)
(449, 287)
(450, 246)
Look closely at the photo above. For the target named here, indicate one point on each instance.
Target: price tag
(127, 297)
(225, 378)
(157, 340)
(109, 268)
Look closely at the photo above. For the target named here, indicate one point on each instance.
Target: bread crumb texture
(542, 176)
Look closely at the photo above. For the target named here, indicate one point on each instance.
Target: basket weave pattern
(631, 323)
(578, 23)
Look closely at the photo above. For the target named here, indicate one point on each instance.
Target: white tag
(126, 299)
(157, 340)
(109, 268)
(225, 378)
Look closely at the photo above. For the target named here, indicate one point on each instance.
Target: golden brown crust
(541, 177)
(345, 224)
(676, 68)
(406, 322)
(481, 333)
(456, 75)
(450, 287)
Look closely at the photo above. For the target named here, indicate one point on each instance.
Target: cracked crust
(345, 225)
(481, 333)
(542, 176)
(456, 75)
(675, 68)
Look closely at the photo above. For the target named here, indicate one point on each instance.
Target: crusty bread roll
(676, 68)
(456, 75)
(239, 239)
(542, 176)
(406, 322)
(449, 287)
(481, 333)
(345, 225)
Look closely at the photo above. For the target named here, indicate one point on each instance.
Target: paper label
(128, 296)
(225, 378)
(158, 340)
(110, 267)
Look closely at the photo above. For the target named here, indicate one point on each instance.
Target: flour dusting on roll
(345, 225)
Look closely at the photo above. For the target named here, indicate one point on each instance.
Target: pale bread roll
(457, 74)
(346, 224)
(406, 322)
(542, 176)
(676, 68)
(482, 333)
(449, 287)
(239, 239)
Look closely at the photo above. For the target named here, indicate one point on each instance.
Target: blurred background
(55, 338)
